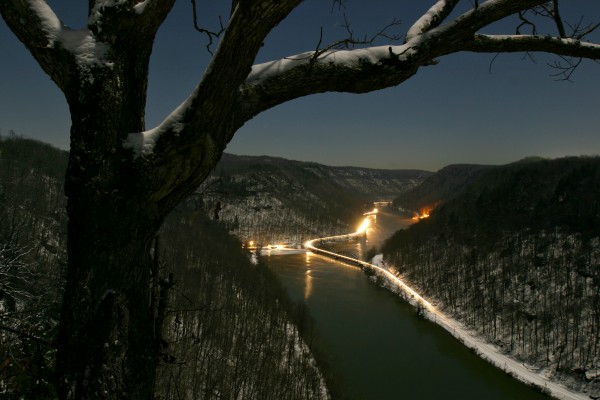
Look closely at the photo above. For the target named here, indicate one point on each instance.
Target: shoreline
(477, 344)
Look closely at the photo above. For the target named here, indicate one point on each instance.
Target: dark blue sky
(454, 112)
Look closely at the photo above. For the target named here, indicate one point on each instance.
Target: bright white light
(363, 227)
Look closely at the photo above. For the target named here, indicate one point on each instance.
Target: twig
(212, 36)
(566, 69)
(351, 41)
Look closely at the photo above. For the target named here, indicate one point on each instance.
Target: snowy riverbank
(469, 338)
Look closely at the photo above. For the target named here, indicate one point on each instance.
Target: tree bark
(119, 194)
(106, 348)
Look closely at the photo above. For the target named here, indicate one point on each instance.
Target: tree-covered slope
(516, 256)
(273, 199)
(439, 187)
(224, 327)
(32, 258)
(230, 330)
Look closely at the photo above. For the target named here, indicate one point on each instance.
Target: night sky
(466, 109)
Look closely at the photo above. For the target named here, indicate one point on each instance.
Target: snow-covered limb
(261, 73)
(521, 43)
(38, 27)
(142, 143)
(50, 24)
(218, 88)
(426, 29)
(371, 68)
(432, 18)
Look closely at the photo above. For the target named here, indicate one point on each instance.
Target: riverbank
(478, 345)
(470, 338)
(379, 273)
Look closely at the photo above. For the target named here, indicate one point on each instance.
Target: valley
(511, 252)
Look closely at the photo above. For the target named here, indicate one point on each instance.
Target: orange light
(423, 213)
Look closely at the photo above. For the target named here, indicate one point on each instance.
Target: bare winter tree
(123, 180)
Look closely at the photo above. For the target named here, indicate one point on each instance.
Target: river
(375, 342)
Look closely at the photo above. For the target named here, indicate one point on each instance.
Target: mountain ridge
(269, 199)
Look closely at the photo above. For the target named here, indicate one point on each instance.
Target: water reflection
(378, 345)
(307, 284)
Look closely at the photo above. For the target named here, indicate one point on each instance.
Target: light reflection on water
(378, 345)
(307, 285)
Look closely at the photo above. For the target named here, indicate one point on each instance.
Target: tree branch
(558, 19)
(143, 17)
(352, 41)
(186, 144)
(566, 68)
(432, 18)
(532, 43)
(209, 34)
(38, 28)
(525, 22)
(579, 32)
(369, 69)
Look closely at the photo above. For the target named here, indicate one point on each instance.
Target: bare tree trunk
(106, 321)
(106, 348)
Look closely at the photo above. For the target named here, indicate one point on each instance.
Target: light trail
(466, 336)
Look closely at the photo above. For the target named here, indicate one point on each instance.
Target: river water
(375, 342)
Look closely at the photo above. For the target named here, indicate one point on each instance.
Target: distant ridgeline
(516, 255)
(270, 199)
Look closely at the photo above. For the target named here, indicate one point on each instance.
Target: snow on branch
(39, 29)
(81, 43)
(140, 6)
(260, 73)
(432, 18)
(373, 68)
(50, 24)
(570, 51)
(143, 143)
(435, 41)
(532, 43)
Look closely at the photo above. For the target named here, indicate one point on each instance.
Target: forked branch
(565, 67)
(211, 35)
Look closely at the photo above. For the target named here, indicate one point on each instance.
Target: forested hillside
(32, 258)
(229, 330)
(224, 326)
(270, 199)
(517, 257)
(438, 187)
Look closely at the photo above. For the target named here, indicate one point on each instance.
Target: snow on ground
(479, 345)
(467, 336)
